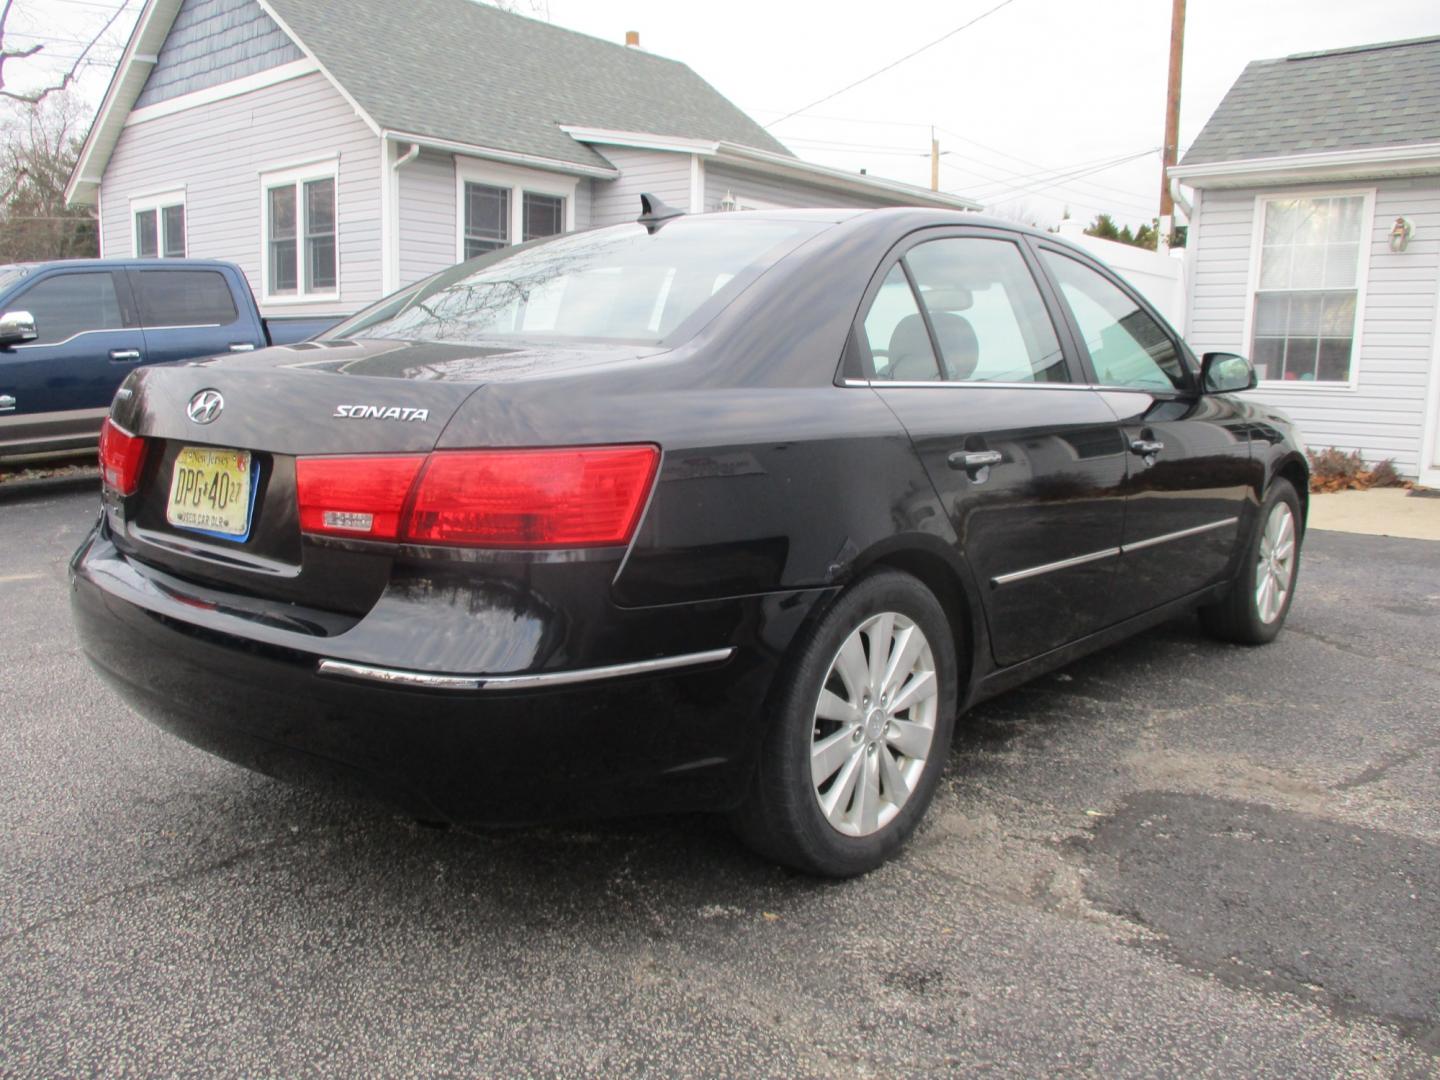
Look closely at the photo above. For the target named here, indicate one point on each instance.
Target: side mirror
(17, 327)
(1226, 373)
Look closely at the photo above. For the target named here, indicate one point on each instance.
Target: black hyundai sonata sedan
(732, 512)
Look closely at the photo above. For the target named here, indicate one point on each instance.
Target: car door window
(895, 331)
(1127, 346)
(184, 298)
(68, 304)
(986, 310)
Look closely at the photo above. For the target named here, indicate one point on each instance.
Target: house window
(544, 215)
(502, 205)
(302, 259)
(159, 226)
(487, 218)
(1311, 265)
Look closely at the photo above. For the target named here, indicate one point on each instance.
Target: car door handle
(125, 356)
(7, 403)
(241, 346)
(1146, 447)
(970, 460)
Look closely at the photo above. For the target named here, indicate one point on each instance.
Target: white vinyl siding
(662, 173)
(427, 215)
(219, 151)
(1383, 416)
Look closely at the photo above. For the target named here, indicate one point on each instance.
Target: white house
(1314, 243)
(339, 151)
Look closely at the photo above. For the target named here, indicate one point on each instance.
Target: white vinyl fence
(1158, 278)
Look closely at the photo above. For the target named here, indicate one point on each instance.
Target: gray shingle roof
(470, 73)
(1345, 99)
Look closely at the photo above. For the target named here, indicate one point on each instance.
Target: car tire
(1253, 612)
(872, 753)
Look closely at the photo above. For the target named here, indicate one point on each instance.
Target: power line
(1054, 175)
(1058, 181)
(895, 63)
(1040, 184)
(1033, 164)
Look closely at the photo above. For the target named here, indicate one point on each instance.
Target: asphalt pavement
(1174, 858)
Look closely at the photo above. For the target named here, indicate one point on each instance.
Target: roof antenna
(654, 213)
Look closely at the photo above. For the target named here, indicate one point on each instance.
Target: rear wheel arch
(946, 581)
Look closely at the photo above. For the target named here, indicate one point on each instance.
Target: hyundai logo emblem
(205, 406)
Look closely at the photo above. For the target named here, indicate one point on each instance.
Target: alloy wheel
(1275, 566)
(874, 724)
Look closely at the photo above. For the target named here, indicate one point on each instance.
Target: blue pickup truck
(70, 331)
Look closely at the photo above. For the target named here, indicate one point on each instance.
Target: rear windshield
(616, 284)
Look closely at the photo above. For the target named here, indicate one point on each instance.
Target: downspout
(390, 215)
(1180, 200)
(409, 156)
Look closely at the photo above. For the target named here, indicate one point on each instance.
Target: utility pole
(934, 161)
(1169, 151)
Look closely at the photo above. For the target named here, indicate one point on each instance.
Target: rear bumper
(480, 749)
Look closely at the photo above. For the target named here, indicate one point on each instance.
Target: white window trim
(293, 175)
(157, 202)
(1252, 281)
(518, 181)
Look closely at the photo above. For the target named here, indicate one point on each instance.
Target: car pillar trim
(539, 680)
(1047, 568)
(1167, 537)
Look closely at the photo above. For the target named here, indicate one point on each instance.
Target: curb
(17, 489)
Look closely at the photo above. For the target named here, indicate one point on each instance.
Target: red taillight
(121, 456)
(578, 497)
(588, 496)
(354, 496)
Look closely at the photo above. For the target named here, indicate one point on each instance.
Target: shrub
(1335, 470)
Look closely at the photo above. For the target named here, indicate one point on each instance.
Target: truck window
(185, 298)
(68, 304)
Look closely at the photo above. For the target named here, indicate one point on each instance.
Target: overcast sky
(1038, 90)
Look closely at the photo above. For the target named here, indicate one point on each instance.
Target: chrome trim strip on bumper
(1063, 564)
(344, 669)
(1094, 556)
(1165, 539)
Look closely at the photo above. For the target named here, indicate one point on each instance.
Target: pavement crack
(140, 888)
(1372, 773)
(1341, 646)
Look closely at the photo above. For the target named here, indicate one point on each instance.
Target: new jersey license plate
(210, 491)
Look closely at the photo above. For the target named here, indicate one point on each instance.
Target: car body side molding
(344, 669)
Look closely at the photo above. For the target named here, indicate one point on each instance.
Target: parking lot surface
(1172, 858)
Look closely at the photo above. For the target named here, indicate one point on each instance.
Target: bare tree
(63, 83)
(39, 144)
(536, 9)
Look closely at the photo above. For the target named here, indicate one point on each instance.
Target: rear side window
(1127, 346)
(989, 319)
(895, 331)
(185, 298)
(70, 304)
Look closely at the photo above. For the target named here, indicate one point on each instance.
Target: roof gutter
(771, 163)
(510, 157)
(1416, 159)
